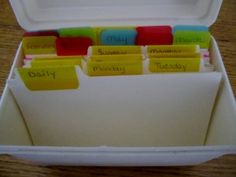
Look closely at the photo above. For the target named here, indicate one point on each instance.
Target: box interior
(220, 131)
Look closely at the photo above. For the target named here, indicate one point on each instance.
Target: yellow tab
(155, 49)
(174, 65)
(55, 63)
(40, 58)
(39, 45)
(130, 57)
(51, 78)
(107, 68)
(115, 50)
(174, 55)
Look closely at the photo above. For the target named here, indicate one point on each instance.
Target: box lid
(53, 14)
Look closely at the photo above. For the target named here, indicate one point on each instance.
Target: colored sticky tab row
(142, 35)
(49, 78)
(75, 41)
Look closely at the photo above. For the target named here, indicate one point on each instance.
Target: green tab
(201, 38)
(78, 32)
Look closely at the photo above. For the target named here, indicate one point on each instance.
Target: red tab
(41, 33)
(154, 35)
(73, 45)
(154, 39)
(154, 29)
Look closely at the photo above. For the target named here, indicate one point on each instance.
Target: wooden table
(224, 31)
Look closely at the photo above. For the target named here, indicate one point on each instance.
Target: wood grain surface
(224, 30)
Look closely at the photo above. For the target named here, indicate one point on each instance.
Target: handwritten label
(115, 50)
(174, 65)
(202, 38)
(175, 49)
(39, 45)
(51, 78)
(114, 68)
(118, 37)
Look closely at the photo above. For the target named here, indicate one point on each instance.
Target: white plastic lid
(53, 14)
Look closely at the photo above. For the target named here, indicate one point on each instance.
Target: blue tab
(118, 37)
(189, 28)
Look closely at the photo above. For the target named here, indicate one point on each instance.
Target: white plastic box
(145, 120)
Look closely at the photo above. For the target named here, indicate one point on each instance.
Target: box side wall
(222, 129)
(12, 126)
